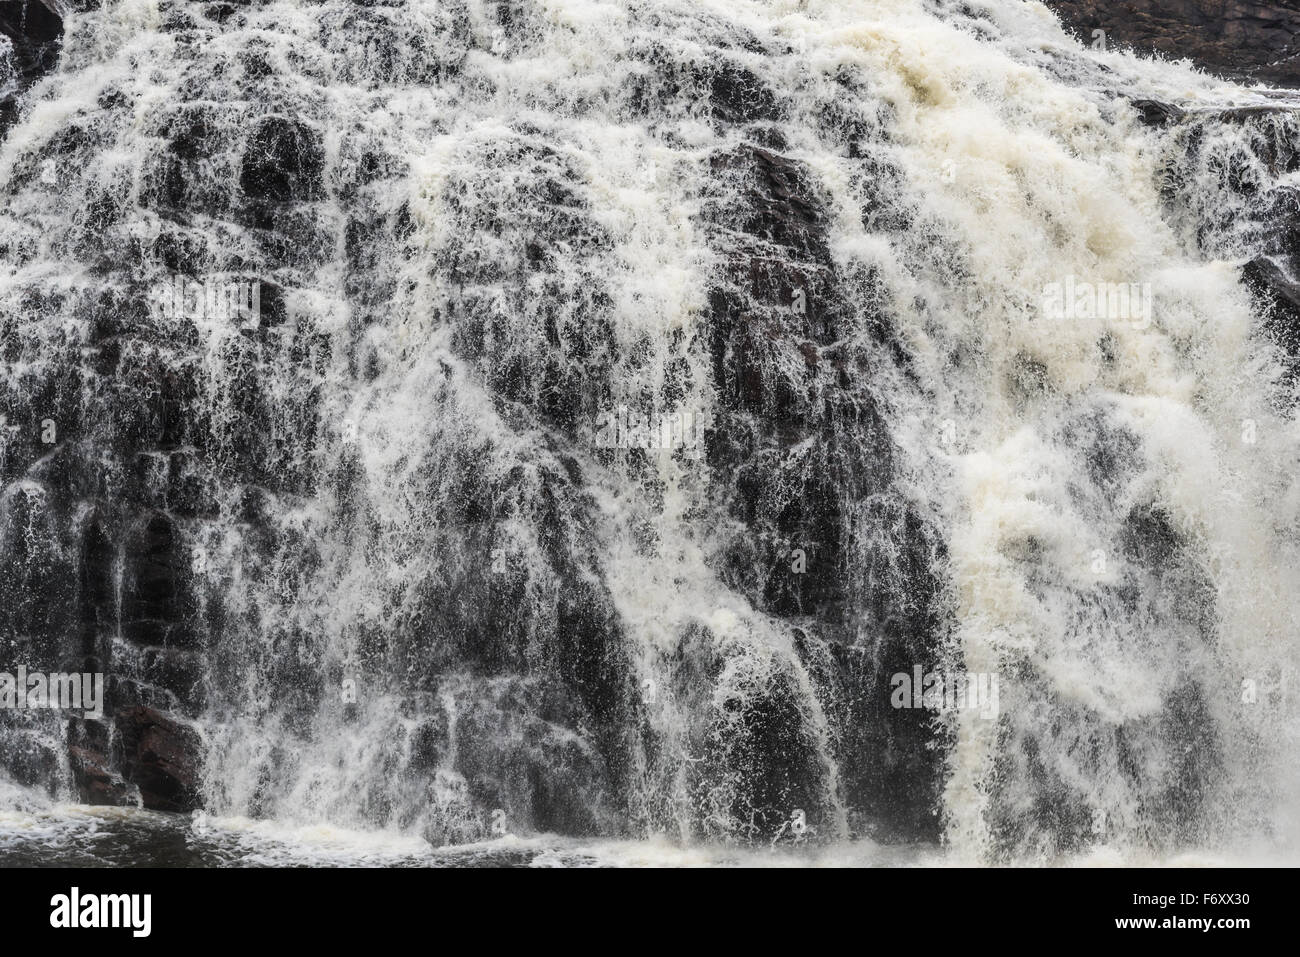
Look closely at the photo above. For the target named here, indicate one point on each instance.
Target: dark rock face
(1277, 294)
(799, 451)
(94, 771)
(1155, 113)
(530, 658)
(1250, 212)
(1245, 39)
(121, 453)
(283, 161)
(517, 679)
(33, 30)
(160, 756)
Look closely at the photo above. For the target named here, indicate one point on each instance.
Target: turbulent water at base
(820, 230)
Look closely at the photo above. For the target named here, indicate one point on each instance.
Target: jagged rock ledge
(1250, 40)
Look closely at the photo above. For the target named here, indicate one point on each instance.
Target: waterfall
(467, 419)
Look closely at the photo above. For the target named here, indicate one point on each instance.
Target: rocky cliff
(1256, 40)
(362, 561)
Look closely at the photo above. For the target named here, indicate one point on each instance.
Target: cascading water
(634, 389)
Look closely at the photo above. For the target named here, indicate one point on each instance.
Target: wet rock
(521, 749)
(757, 755)
(162, 757)
(179, 671)
(34, 30)
(152, 580)
(1278, 296)
(1155, 113)
(284, 161)
(538, 333)
(96, 782)
(37, 586)
(30, 755)
(1149, 537)
(776, 201)
(888, 772)
(799, 452)
(739, 96)
(1246, 39)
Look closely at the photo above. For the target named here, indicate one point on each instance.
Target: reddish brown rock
(161, 757)
(96, 784)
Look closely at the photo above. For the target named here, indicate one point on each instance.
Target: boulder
(162, 757)
(1155, 113)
